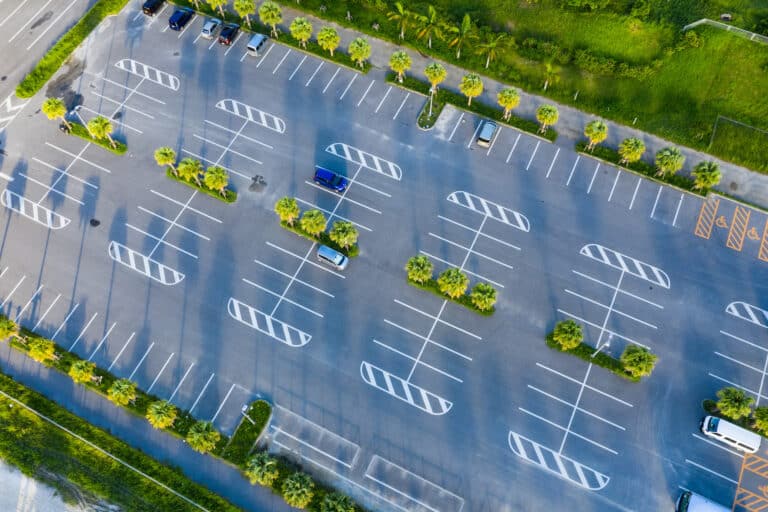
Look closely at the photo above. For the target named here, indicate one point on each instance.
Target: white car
(209, 28)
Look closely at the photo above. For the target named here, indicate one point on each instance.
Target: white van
(691, 502)
(730, 434)
(255, 44)
(332, 257)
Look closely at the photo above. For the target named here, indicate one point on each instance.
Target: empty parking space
(736, 226)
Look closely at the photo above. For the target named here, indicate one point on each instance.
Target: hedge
(81, 131)
(229, 197)
(324, 238)
(584, 352)
(465, 300)
(247, 433)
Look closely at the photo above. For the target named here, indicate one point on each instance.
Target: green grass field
(748, 146)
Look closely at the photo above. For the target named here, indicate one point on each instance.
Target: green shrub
(81, 131)
(734, 403)
(638, 361)
(249, 430)
(262, 469)
(298, 490)
(229, 197)
(323, 238)
(82, 371)
(464, 300)
(41, 350)
(568, 334)
(202, 437)
(587, 353)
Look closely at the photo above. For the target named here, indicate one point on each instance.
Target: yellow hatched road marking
(706, 217)
(739, 225)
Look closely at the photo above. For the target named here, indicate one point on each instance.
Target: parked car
(180, 17)
(228, 33)
(209, 28)
(150, 7)
(330, 179)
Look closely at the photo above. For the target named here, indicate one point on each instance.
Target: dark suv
(150, 7)
(330, 179)
(180, 17)
(228, 33)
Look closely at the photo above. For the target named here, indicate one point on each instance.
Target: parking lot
(380, 386)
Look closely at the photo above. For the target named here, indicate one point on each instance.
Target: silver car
(209, 28)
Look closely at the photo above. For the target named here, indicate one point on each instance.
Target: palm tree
(669, 161)
(483, 296)
(161, 414)
(54, 108)
(734, 403)
(81, 371)
(429, 26)
(244, 9)
(122, 392)
(218, 4)
(631, 150)
(298, 490)
(101, 128)
(568, 334)
(596, 131)
(706, 175)
(190, 169)
(435, 73)
(337, 502)
(202, 437)
(419, 269)
(313, 222)
(638, 361)
(491, 46)
(166, 156)
(359, 50)
(301, 30)
(402, 16)
(400, 62)
(262, 469)
(216, 178)
(328, 39)
(508, 99)
(41, 350)
(8, 328)
(270, 14)
(287, 209)
(551, 74)
(343, 233)
(453, 283)
(463, 33)
(471, 86)
(547, 115)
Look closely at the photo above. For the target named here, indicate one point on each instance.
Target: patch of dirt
(62, 84)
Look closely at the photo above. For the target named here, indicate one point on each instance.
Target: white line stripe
(188, 207)
(183, 378)
(57, 169)
(77, 157)
(717, 445)
(149, 390)
(279, 431)
(553, 163)
(285, 274)
(734, 482)
(558, 399)
(471, 251)
(234, 43)
(444, 322)
(637, 187)
(592, 181)
(618, 173)
(49, 189)
(121, 122)
(592, 388)
(281, 297)
(191, 231)
(411, 358)
(653, 210)
(354, 77)
(281, 62)
(733, 336)
(401, 107)
(573, 169)
(533, 155)
(145, 96)
(313, 74)
(513, 148)
(122, 105)
(13, 291)
(222, 403)
(612, 287)
(748, 390)
(121, 351)
(456, 127)
(102, 341)
(560, 427)
(677, 211)
(35, 16)
(474, 136)
(611, 309)
(255, 141)
(160, 241)
(317, 265)
(83, 331)
(204, 387)
(325, 190)
(424, 338)
(329, 213)
(365, 93)
(261, 60)
(498, 240)
(602, 329)
(213, 162)
(741, 363)
(297, 68)
(331, 80)
(46, 312)
(53, 338)
(13, 12)
(227, 149)
(130, 377)
(33, 43)
(479, 276)
(16, 320)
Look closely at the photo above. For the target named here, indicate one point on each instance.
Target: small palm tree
(706, 175)
(328, 39)
(471, 86)
(122, 392)
(462, 34)
(81, 371)
(161, 414)
(400, 62)
(508, 99)
(337, 502)
(262, 469)
(429, 26)
(218, 4)
(547, 115)
(359, 50)
(638, 361)
(492, 45)
(631, 150)
(271, 14)
(301, 30)
(244, 9)
(568, 334)
(402, 17)
(41, 350)
(216, 178)
(596, 131)
(669, 161)
(419, 269)
(453, 283)
(734, 403)
(101, 128)
(202, 437)
(343, 233)
(435, 73)
(287, 209)
(166, 156)
(551, 74)
(483, 296)
(298, 490)
(190, 169)
(54, 108)
(313, 222)
(8, 328)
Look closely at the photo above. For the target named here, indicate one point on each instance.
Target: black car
(228, 33)
(180, 17)
(150, 7)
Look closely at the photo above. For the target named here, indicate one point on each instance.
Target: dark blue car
(330, 179)
(180, 17)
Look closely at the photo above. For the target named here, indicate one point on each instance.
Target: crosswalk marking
(264, 323)
(490, 209)
(252, 114)
(144, 265)
(33, 211)
(367, 160)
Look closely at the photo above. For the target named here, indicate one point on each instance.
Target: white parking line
(498, 240)
(149, 390)
(296, 70)
(456, 127)
(573, 169)
(145, 96)
(48, 189)
(637, 187)
(192, 20)
(427, 339)
(181, 226)
(733, 336)
(748, 390)
(677, 211)
(65, 321)
(513, 148)
(740, 363)
(383, 99)
(653, 210)
(538, 143)
(323, 189)
(121, 351)
(130, 377)
(233, 44)
(731, 480)
(188, 207)
(183, 378)
(13, 12)
(469, 272)
(53, 23)
(173, 223)
(365, 93)
(34, 17)
(121, 104)
(313, 74)
(422, 363)
(160, 240)
(560, 427)
(261, 60)
(474, 136)
(204, 387)
(329, 213)
(54, 168)
(4, 271)
(592, 181)
(717, 445)
(281, 61)
(222, 403)
(354, 77)
(613, 287)
(610, 332)
(228, 148)
(213, 162)
(432, 317)
(552, 164)
(77, 157)
(618, 173)
(576, 406)
(493, 142)
(588, 413)
(83, 107)
(471, 251)
(40, 320)
(102, 340)
(285, 274)
(282, 298)
(317, 265)
(611, 309)
(18, 316)
(591, 388)
(13, 291)
(83, 331)
(331, 80)
(408, 95)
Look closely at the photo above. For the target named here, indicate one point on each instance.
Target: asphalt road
(405, 401)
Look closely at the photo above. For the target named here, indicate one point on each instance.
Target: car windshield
(712, 427)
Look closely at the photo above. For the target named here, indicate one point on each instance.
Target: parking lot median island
(465, 300)
(81, 131)
(252, 424)
(230, 196)
(587, 353)
(60, 52)
(323, 238)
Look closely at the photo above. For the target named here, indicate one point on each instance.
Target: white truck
(691, 502)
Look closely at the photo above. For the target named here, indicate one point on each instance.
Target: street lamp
(604, 345)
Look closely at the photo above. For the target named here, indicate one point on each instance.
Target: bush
(81, 131)
(122, 392)
(638, 361)
(453, 283)
(323, 238)
(41, 350)
(567, 334)
(483, 296)
(262, 469)
(298, 490)
(82, 371)
(229, 197)
(761, 420)
(733, 403)
(464, 300)
(249, 430)
(202, 437)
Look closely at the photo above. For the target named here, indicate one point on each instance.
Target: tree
(359, 50)
(328, 39)
(567, 334)
(402, 17)
(638, 361)
(218, 4)
(190, 169)
(166, 156)
(400, 62)
(101, 128)
(508, 99)
(216, 178)
(54, 108)
(301, 30)
(298, 490)
(462, 34)
(435, 73)
(631, 150)
(761, 419)
(262, 469)
(41, 350)
(669, 161)
(491, 46)
(551, 74)
(429, 26)
(343, 233)
(244, 9)
(313, 222)
(734, 403)
(287, 209)
(122, 392)
(547, 115)
(337, 502)
(453, 283)
(81, 371)
(202, 437)
(8, 328)
(419, 269)
(483, 296)
(270, 14)
(471, 86)
(596, 131)
(161, 414)
(706, 175)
